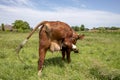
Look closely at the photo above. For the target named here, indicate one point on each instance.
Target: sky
(91, 13)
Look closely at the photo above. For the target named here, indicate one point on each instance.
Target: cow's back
(57, 30)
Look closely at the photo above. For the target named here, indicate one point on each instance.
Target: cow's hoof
(39, 73)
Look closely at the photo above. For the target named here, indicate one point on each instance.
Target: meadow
(98, 58)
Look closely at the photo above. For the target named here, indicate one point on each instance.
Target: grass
(98, 59)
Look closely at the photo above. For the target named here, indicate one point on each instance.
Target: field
(98, 59)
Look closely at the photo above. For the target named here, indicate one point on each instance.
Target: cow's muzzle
(76, 50)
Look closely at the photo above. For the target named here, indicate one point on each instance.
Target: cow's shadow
(55, 61)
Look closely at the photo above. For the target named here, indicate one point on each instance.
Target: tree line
(20, 25)
(107, 28)
(80, 28)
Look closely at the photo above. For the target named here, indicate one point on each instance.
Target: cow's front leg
(42, 53)
(68, 55)
(63, 54)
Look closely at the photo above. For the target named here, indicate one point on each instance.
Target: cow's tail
(28, 37)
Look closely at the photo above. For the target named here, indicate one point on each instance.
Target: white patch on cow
(39, 73)
(24, 41)
(74, 46)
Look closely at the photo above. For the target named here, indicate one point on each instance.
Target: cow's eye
(74, 39)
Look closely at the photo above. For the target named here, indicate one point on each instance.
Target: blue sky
(91, 13)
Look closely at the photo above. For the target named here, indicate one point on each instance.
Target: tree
(101, 29)
(73, 27)
(3, 27)
(82, 27)
(21, 25)
(77, 28)
(114, 28)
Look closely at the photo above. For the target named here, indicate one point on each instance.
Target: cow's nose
(76, 50)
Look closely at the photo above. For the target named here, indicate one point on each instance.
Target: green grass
(98, 59)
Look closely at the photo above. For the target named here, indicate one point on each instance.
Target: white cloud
(73, 16)
(18, 3)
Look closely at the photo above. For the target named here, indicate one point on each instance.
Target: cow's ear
(81, 36)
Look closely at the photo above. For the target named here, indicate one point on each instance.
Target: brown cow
(55, 36)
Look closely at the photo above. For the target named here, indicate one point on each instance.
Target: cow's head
(71, 42)
(74, 39)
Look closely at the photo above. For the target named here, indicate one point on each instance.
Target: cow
(54, 36)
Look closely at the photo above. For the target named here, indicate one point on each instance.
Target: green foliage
(82, 27)
(98, 59)
(114, 28)
(101, 29)
(106, 28)
(3, 27)
(21, 25)
(76, 28)
(79, 28)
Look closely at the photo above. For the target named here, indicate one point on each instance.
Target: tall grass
(98, 59)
